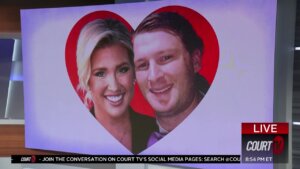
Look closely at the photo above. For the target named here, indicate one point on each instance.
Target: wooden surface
(10, 19)
(10, 10)
(12, 142)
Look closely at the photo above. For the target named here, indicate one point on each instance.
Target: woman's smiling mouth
(115, 99)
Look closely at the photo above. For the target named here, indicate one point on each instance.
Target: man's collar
(161, 129)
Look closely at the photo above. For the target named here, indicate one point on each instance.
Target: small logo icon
(278, 145)
(33, 159)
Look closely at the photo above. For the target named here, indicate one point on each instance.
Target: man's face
(164, 72)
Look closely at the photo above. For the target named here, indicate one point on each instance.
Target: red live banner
(265, 128)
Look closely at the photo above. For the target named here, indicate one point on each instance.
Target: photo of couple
(162, 56)
(148, 78)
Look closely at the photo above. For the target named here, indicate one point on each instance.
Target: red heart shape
(204, 30)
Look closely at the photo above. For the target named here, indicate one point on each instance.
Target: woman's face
(111, 80)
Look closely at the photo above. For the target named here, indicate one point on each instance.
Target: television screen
(167, 77)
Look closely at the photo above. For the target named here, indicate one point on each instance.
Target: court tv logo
(265, 142)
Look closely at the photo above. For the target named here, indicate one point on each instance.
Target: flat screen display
(104, 79)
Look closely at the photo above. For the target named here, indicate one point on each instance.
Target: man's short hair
(175, 24)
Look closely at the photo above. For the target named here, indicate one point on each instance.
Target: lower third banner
(125, 159)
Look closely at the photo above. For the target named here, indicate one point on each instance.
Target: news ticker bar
(125, 159)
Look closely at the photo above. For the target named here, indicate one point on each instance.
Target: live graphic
(264, 142)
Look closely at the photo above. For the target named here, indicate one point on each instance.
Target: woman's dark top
(142, 127)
